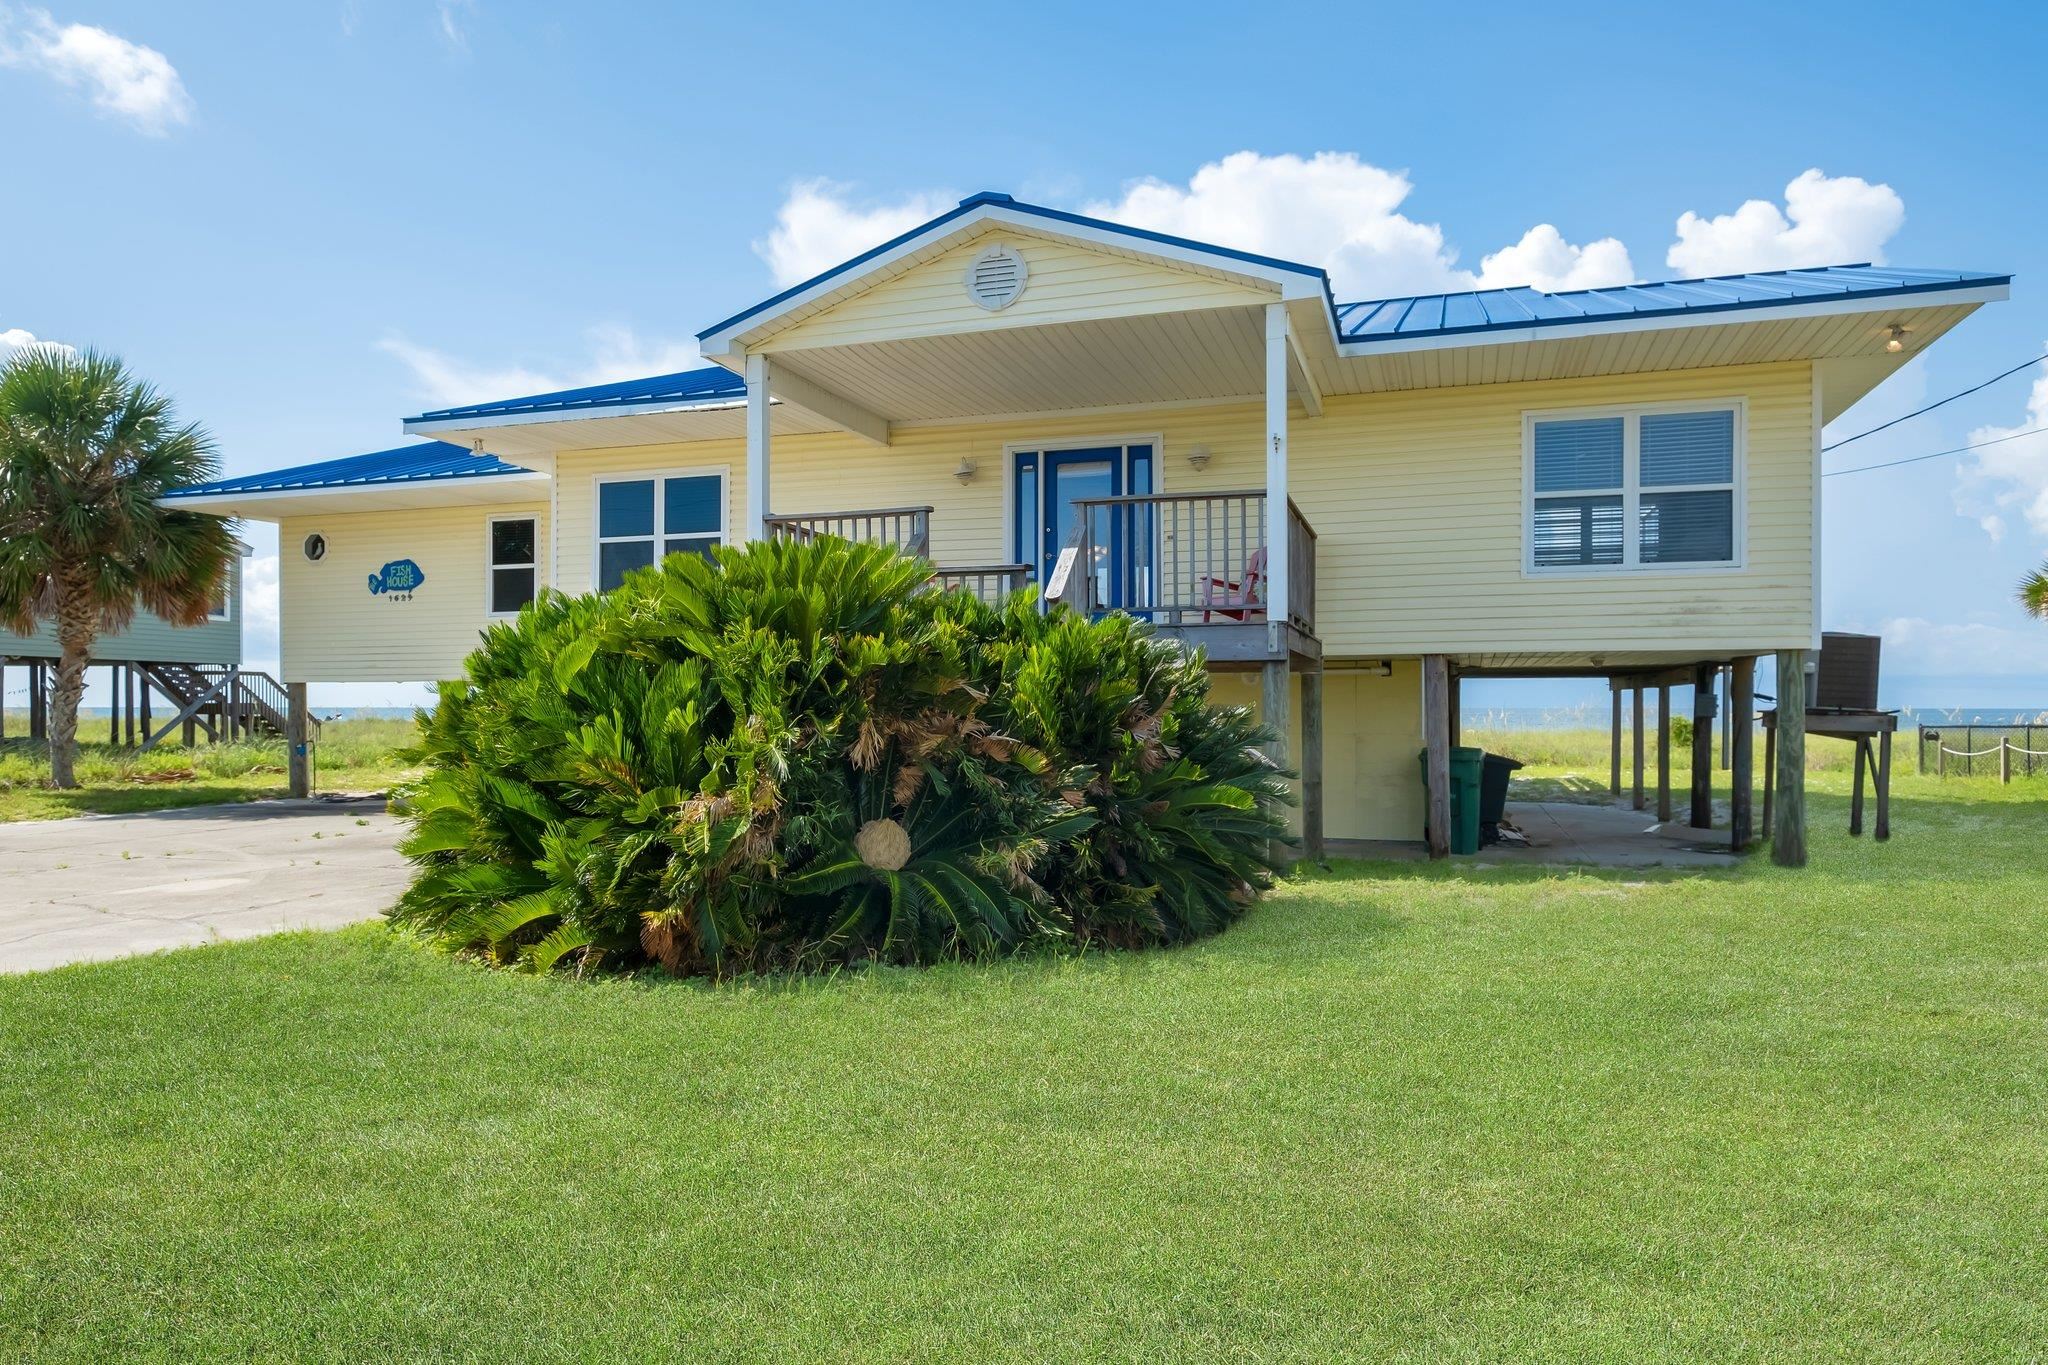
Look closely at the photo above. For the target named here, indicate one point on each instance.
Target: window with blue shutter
(1634, 490)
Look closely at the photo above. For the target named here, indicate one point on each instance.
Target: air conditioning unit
(1846, 678)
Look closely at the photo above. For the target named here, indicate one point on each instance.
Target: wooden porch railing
(1187, 558)
(990, 582)
(909, 529)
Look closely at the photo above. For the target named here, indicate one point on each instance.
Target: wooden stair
(225, 700)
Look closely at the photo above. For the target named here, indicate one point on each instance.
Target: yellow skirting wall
(1372, 730)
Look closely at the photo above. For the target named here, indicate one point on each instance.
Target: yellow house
(1349, 505)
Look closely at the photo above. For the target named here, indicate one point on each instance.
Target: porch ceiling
(1200, 355)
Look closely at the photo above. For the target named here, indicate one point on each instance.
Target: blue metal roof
(1376, 320)
(420, 462)
(1487, 310)
(708, 385)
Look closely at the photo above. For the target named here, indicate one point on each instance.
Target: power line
(1930, 408)
(1932, 455)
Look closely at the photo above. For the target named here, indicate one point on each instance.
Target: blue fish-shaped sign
(400, 575)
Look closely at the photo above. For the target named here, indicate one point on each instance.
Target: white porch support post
(757, 447)
(1277, 349)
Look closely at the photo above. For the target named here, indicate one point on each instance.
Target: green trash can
(1465, 768)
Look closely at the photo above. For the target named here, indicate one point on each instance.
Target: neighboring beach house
(154, 669)
(1348, 504)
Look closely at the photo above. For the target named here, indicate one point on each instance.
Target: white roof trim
(213, 502)
(1293, 284)
(521, 419)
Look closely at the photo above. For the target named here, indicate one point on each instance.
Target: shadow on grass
(1271, 931)
(145, 798)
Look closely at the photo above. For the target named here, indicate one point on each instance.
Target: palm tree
(86, 452)
(2033, 593)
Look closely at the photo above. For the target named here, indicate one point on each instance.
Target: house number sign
(397, 581)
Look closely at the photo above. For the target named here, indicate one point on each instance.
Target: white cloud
(1915, 646)
(616, 353)
(259, 607)
(126, 79)
(1544, 259)
(1331, 209)
(2011, 476)
(455, 16)
(1338, 211)
(1827, 220)
(820, 226)
(20, 339)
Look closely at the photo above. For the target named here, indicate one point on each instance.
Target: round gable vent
(996, 277)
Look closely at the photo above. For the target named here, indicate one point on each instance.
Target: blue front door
(1049, 483)
(1071, 475)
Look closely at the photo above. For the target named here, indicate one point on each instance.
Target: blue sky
(307, 221)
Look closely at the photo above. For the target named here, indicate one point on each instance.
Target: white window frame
(491, 566)
(1631, 489)
(598, 481)
(227, 600)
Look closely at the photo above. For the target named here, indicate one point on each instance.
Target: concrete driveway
(99, 887)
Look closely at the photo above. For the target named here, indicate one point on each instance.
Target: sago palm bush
(791, 755)
(1187, 806)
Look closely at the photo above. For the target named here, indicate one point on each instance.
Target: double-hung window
(515, 563)
(1634, 490)
(649, 517)
(221, 608)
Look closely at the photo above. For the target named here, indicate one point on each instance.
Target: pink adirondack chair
(1240, 601)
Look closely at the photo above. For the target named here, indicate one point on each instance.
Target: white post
(757, 447)
(1276, 464)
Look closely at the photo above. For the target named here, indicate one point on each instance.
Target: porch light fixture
(1897, 341)
(1198, 457)
(965, 473)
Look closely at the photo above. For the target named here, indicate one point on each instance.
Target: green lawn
(1400, 1112)
(352, 755)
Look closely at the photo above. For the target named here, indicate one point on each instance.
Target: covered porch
(1098, 507)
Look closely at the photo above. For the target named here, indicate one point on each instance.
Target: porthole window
(316, 547)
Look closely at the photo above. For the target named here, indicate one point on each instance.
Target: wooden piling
(1788, 830)
(1436, 731)
(1702, 814)
(1742, 750)
(1663, 751)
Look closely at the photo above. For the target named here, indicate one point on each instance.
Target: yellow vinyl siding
(1067, 283)
(1418, 502)
(836, 472)
(1416, 498)
(334, 629)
